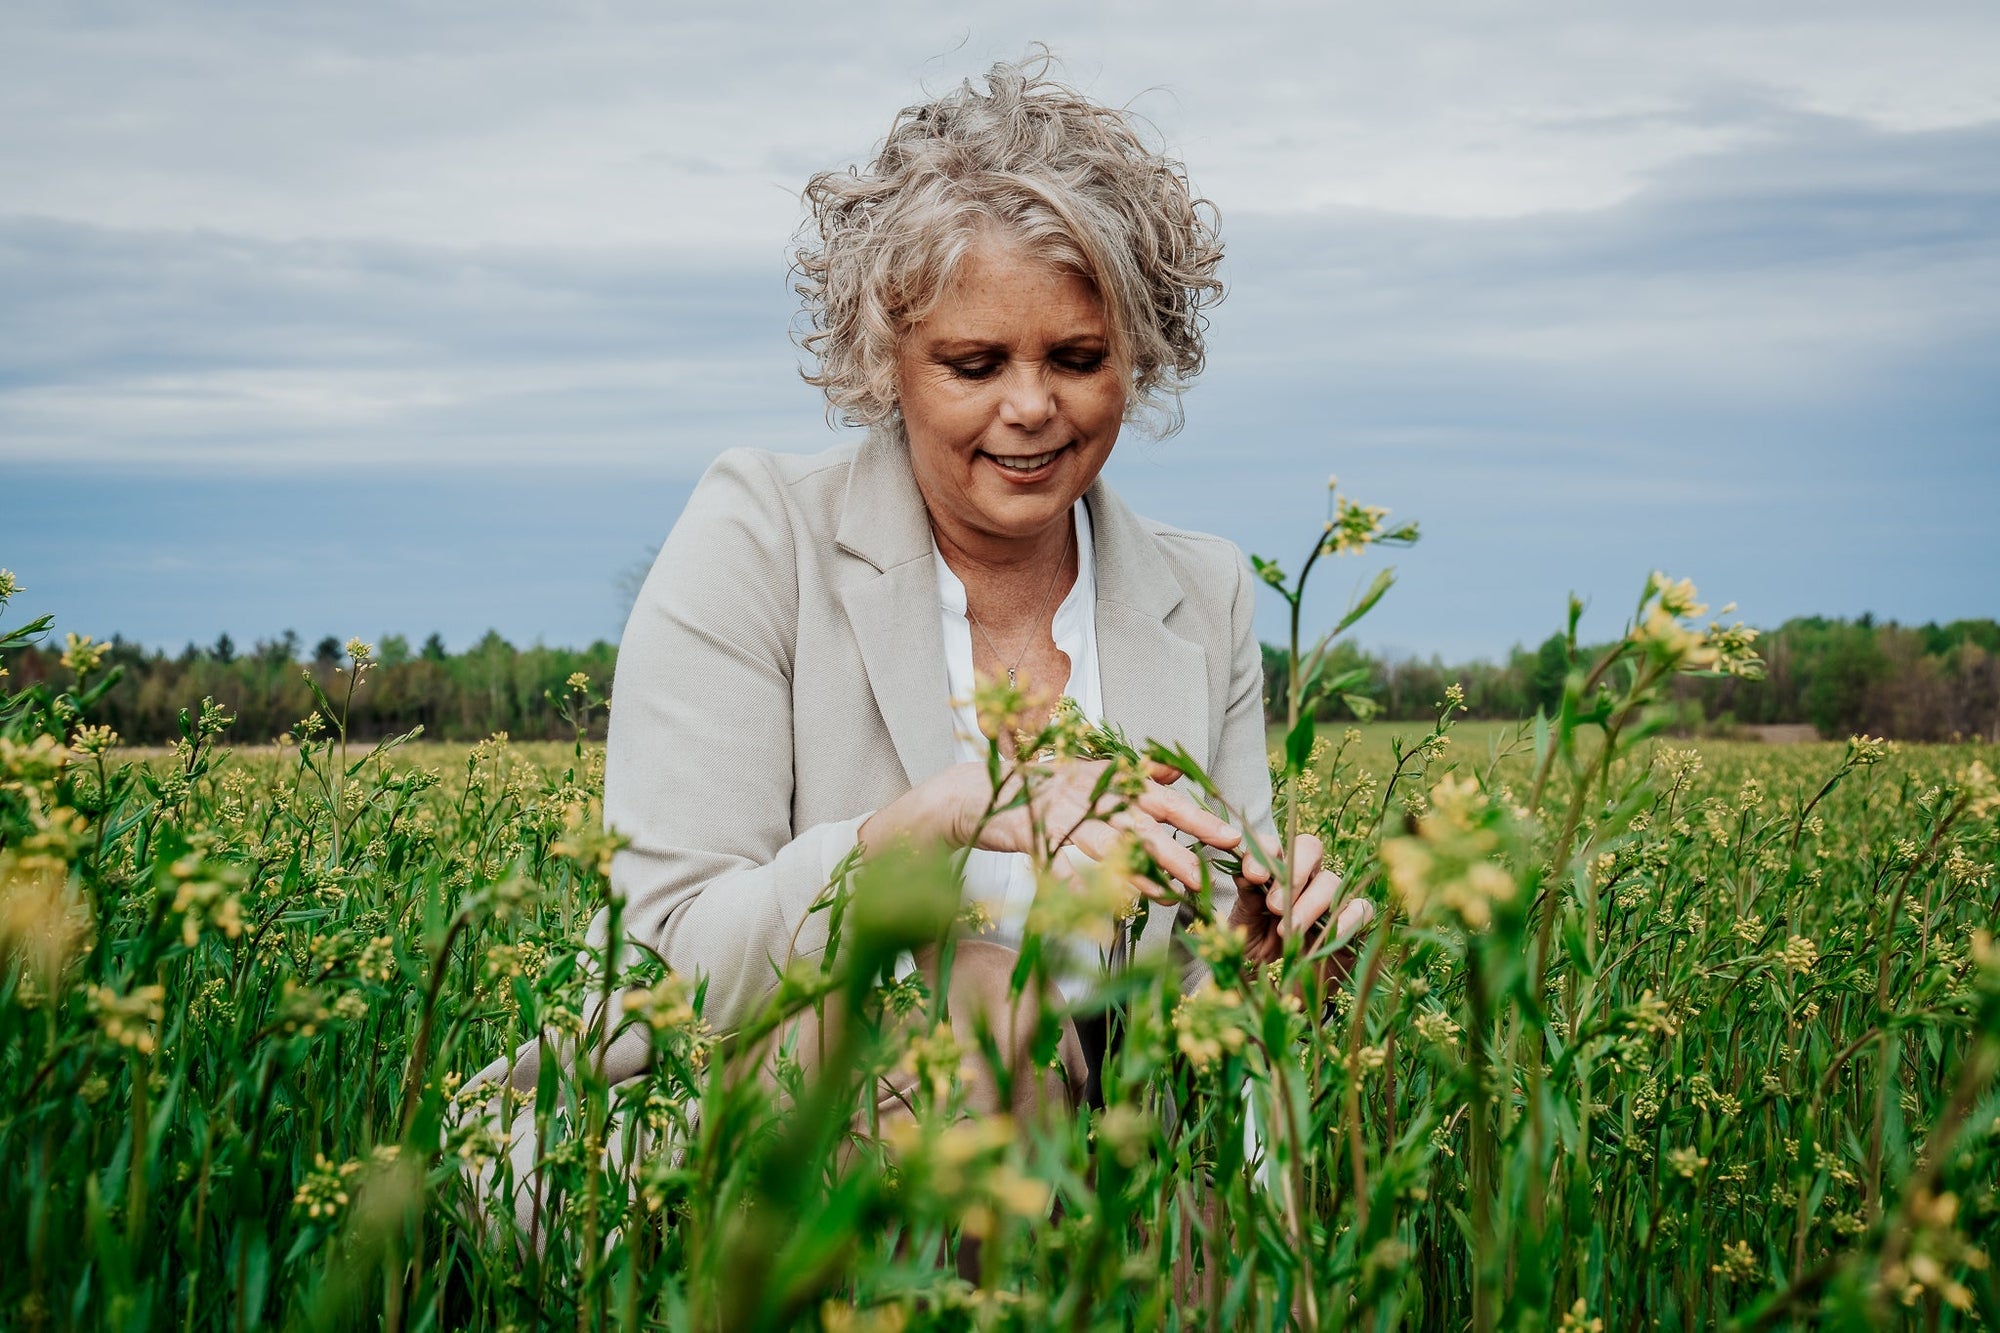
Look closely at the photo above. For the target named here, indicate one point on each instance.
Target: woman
(1013, 278)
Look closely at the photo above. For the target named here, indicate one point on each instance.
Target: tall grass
(1641, 1036)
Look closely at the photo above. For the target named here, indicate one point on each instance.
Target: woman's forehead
(999, 278)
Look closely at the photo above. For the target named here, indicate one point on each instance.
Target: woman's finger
(1305, 863)
(1352, 918)
(1256, 870)
(1184, 813)
(1314, 900)
(1164, 774)
(1307, 853)
(1180, 861)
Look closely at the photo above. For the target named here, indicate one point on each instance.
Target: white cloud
(1821, 264)
(633, 123)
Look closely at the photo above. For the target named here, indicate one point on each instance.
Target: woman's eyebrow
(961, 346)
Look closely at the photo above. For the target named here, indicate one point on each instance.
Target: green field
(1650, 1033)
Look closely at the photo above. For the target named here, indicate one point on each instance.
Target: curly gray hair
(1070, 179)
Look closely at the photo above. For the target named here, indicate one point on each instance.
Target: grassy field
(1647, 1033)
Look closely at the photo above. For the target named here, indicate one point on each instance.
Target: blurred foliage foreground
(1642, 1036)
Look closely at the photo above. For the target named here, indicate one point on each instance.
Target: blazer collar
(1154, 680)
(891, 603)
(882, 516)
(1130, 569)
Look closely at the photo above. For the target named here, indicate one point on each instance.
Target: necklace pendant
(1011, 682)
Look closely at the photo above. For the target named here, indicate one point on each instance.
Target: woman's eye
(1081, 364)
(974, 370)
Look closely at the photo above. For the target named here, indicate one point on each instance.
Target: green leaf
(326, 708)
(1376, 590)
(26, 634)
(1298, 745)
(1177, 757)
(383, 747)
(1319, 685)
(1268, 571)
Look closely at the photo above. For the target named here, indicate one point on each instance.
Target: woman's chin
(1018, 515)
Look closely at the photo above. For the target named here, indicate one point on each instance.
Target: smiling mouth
(1028, 462)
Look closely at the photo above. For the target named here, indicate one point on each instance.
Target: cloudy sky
(366, 318)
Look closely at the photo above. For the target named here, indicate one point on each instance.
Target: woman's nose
(1026, 398)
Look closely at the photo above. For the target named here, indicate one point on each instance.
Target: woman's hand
(949, 807)
(1261, 911)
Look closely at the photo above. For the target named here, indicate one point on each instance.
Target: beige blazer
(782, 677)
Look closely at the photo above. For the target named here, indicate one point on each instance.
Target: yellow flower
(1126, 1131)
(836, 1317)
(204, 898)
(1728, 649)
(129, 1020)
(1799, 954)
(1678, 597)
(1660, 631)
(1981, 789)
(82, 654)
(1577, 1320)
(44, 923)
(378, 959)
(1866, 750)
(1220, 944)
(1021, 1195)
(666, 1008)
(1653, 1015)
(1355, 527)
(1448, 868)
(935, 1060)
(323, 1193)
(1207, 1024)
(1091, 901)
(586, 839)
(93, 740)
(1437, 1027)
(1685, 1162)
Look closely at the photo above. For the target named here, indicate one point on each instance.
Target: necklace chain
(1028, 638)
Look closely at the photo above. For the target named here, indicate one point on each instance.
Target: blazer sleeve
(698, 764)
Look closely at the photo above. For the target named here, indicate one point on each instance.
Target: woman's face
(1009, 395)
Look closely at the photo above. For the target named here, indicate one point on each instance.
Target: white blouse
(1005, 881)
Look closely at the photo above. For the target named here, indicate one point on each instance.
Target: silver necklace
(1013, 680)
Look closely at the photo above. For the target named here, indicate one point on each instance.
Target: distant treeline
(1932, 682)
(1925, 683)
(491, 686)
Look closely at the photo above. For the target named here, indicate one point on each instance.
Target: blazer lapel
(1155, 682)
(892, 603)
